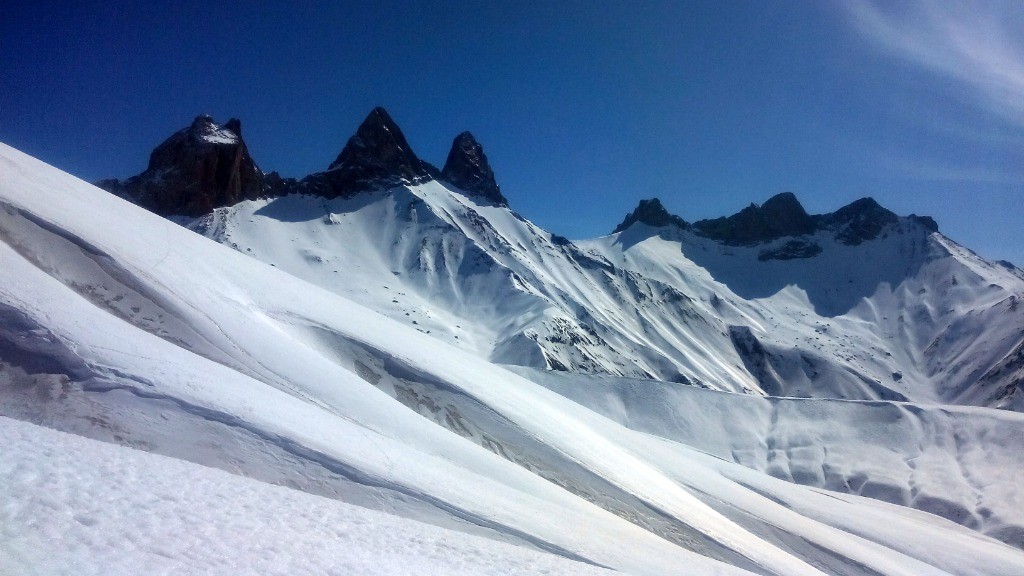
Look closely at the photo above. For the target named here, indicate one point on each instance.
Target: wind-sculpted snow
(231, 363)
(61, 517)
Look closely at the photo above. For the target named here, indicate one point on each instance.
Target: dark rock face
(927, 221)
(202, 167)
(791, 250)
(782, 215)
(467, 169)
(376, 156)
(756, 359)
(652, 213)
(207, 166)
(1007, 377)
(859, 221)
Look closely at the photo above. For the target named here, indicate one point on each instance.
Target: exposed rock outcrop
(859, 221)
(197, 169)
(792, 250)
(782, 215)
(467, 169)
(652, 213)
(206, 166)
(376, 156)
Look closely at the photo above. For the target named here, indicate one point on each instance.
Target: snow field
(73, 506)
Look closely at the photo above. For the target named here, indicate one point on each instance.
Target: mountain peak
(860, 220)
(234, 125)
(781, 215)
(378, 139)
(467, 168)
(202, 120)
(784, 206)
(652, 213)
(204, 130)
(377, 154)
(197, 169)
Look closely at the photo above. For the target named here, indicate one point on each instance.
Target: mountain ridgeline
(197, 169)
(207, 166)
(858, 304)
(780, 216)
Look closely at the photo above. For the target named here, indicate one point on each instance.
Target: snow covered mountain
(856, 304)
(383, 334)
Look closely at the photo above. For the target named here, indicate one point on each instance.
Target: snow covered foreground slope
(171, 517)
(119, 325)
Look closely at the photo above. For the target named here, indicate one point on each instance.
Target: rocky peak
(652, 213)
(863, 208)
(928, 222)
(377, 155)
(467, 169)
(235, 126)
(781, 215)
(786, 212)
(859, 221)
(197, 169)
(203, 121)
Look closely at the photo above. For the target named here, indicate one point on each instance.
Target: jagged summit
(205, 129)
(467, 168)
(652, 213)
(197, 169)
(376, 155)
(865, 219)
(235, 126)
(859, 221)
(206, 166)
(781, 215)
(378, 139)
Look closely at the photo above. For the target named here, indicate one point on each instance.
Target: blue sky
(583, 107)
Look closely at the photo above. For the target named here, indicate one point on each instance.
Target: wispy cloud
(977, 44)
(935, 171)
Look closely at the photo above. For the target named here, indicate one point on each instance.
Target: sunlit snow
(120, 326)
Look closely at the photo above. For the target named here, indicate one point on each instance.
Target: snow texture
(129, 512)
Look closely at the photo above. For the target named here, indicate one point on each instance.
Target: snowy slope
(147, 308)
(122, 326)
(907, 316)
(923, 457)
(481, 278)
(61, 517)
